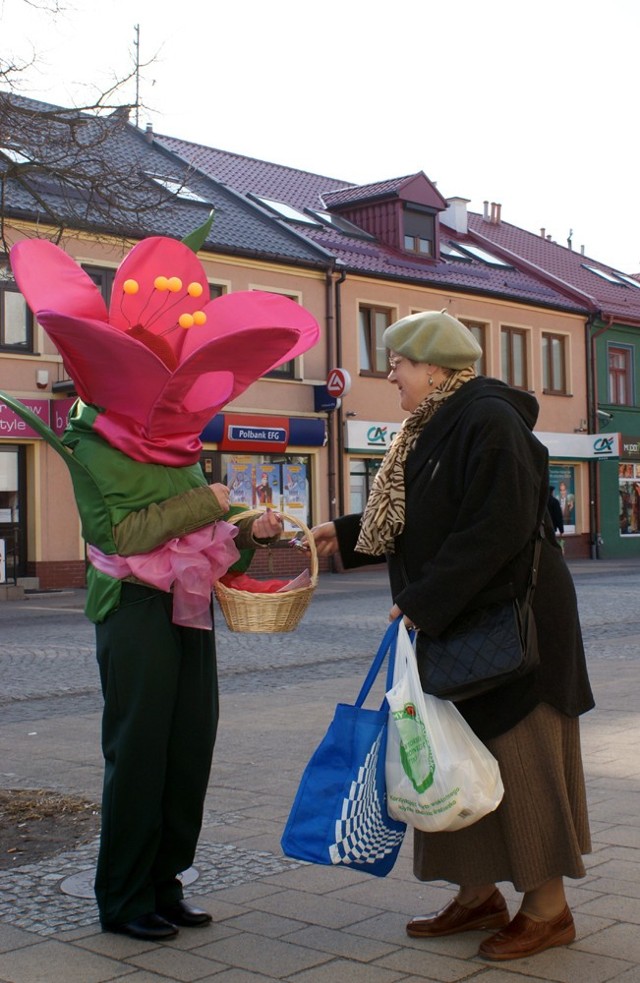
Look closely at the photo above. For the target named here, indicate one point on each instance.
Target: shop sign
(630, 448)
(13, 427)
(582, 446)
(261, 435)
(370, 435)
(60, 409)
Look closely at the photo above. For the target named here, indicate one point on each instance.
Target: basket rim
(313, 552)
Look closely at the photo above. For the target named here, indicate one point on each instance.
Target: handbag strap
(388, 644)
(533, 576)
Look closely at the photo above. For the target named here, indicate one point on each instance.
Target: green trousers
(160, 688)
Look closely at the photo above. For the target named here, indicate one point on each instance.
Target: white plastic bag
(439, 775)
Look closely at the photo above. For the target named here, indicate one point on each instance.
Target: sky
(529, 105)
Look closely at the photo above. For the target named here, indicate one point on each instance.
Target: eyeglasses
(394, 363)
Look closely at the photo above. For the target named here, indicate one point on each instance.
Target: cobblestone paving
(31, 896)
(47, 668)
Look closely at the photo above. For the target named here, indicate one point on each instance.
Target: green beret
(435, 337)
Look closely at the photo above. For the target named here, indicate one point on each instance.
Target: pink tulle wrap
(189, 566)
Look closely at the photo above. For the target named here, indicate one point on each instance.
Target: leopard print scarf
(383, 518)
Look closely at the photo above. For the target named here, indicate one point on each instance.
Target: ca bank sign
(369, 436)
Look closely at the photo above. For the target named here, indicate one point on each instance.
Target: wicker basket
(247, 611)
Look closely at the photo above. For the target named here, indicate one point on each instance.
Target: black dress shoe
(151, 928)
(184, 914)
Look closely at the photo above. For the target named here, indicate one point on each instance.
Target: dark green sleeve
(145, 529)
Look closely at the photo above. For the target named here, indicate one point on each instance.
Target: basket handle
(289, 518)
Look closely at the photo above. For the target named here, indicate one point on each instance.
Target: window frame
(626, 373)
(482, 330)
(8, 286)
(510, 332)
(549, 381)
(366, 336)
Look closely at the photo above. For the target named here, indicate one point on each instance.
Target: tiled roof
(365, 192)
(619, 300)
(301, 189)
(128, 158)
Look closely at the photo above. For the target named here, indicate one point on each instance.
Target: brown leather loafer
(454, 918)
(525, 937)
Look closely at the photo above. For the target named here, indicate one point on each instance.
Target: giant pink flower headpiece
(164, 359)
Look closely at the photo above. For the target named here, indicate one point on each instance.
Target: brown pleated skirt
(539, 831)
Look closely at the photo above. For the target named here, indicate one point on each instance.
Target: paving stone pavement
(275, 918)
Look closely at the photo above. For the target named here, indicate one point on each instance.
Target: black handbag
(483, 648)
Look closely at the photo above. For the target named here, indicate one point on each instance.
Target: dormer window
(419, 231)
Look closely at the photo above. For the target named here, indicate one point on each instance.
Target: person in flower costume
(150, 373)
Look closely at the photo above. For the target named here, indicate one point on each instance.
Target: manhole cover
(80, 885)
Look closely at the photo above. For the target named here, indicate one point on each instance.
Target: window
(287, 211)
(16, 320)
(288, 369)
(179, 189)
(103, 279)
(419, 232)
(373, 354)
(479, 332)
(554, 373)
(483, 255)
(513, 356)
(620, 375)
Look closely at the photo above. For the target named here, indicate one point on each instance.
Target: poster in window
(295, 491)
(266, 490)
(240, 483)
(562, 478)
(629, 490)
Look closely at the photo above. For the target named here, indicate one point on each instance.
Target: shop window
(373, 355)
(628, 485)
(479, 332)
(361, 475)
(513, 354)
(16, 320)
(554, 364)
(278, 481)
(620, 375)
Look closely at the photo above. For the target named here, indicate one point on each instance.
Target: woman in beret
(455, 509)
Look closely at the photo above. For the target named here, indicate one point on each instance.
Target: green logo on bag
(416, 755)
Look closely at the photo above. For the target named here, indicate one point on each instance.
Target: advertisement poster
(562, 478)
(295, 491)
(240, 483)
(266, 491)
(629, 488)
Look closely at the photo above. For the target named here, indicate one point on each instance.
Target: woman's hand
(395, 612)
(269, 525)
(325, 538)
(221, 493)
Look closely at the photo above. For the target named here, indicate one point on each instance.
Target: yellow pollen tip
(195, 289)
(199, 317)
(175, 284)
(130, 286)
(186, 320)
(161, 283)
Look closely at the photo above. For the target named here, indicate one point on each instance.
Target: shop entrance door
(13, 511)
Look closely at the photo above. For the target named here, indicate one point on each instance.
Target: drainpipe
(330, 349)
(339, 412)
(592, 413)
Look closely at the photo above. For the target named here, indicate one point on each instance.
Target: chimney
(148, 133)
(486, 211)
(495, 213)
(455, 217)
(543, 233)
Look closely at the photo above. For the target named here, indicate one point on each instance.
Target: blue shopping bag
(339, 816)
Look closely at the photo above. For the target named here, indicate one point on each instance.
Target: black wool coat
(476, 485)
